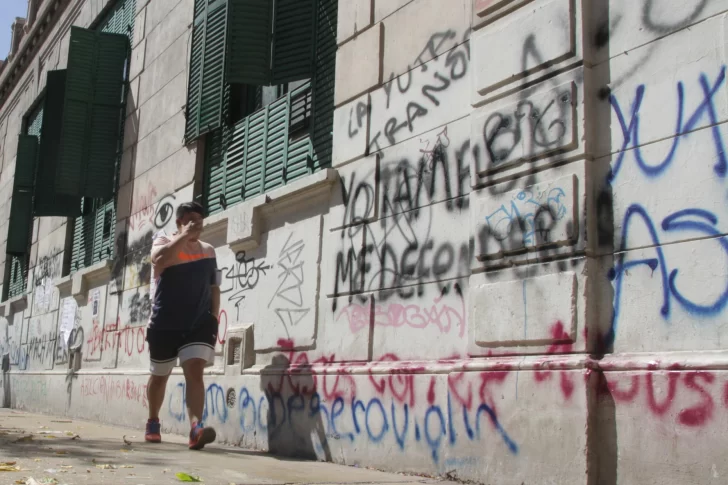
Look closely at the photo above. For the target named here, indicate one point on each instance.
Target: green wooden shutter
(256, 134)
(214, 200)
(17, 275)
(21, 206)
(293, 40)
(323, 83)
(276, 144)
(92, 113)
(47, 202)
(207, 69)
(249, 45)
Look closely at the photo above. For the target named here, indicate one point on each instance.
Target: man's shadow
(295, 412)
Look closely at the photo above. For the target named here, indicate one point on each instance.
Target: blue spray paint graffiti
(215, 404)
(529, 214)
(631, 132)
(697, 220)
(373, 421)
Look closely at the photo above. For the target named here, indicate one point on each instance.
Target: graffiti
(47, 267)
(440, 315)
(164, 212)
(649, 12)
(401, 249)
(41, 349)
(222, 326)
(694, 220)
(289, 293)
(242, 277)
(526, 214)
(660, 392)
(684, 125)
(417, 102)
(113, 389)
(533, 128)
(372, 420)
(129, 340)
(140, 308)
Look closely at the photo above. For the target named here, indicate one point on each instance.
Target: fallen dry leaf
(8, 463)
(126, 441)
(106, 466)
(126, 466)
(9, 468)
(77, 437)
(66, 466)
(24, 439)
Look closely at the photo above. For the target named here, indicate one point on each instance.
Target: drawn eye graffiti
(165, 211)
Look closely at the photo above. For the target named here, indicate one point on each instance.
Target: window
(21, 216)
(261, 91)
(68, 155)
(93, 231)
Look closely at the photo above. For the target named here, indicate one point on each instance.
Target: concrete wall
(506, 276)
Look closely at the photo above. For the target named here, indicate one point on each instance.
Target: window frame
(222, 165)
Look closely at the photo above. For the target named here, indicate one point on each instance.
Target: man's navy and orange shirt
(182, 292)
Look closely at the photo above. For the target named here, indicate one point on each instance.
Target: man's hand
(191, 230)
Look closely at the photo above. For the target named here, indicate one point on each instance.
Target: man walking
(183, 324)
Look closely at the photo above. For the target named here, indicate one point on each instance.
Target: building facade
(458, 238)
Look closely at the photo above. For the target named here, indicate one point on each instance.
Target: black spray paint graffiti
(531, 129)
(41, 349)
(650, 21)
(418, 104)
(47, 267)
(407, 186)
(140, 308)
(242, 277)
(288, 297)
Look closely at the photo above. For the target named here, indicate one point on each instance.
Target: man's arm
(215, 289)
(163, 254)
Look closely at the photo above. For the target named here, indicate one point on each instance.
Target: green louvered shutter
(92, 113)
(300, 152)
(276, 144)
(215, 173)
(323, 83)
(293, 40)
(47, 202)
(207, 69)
(213, 71)
(21, 206)
(256, 135)
(249, 45)
(192, 124)
(17, 275)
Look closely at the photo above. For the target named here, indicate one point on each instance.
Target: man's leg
(195, 396)
(162, 359)
(156, 388)
(194, 389)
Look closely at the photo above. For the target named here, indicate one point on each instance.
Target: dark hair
(189, 208)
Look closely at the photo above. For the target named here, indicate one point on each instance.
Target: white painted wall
(518, 274)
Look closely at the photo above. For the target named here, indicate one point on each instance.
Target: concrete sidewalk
(64, 451)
